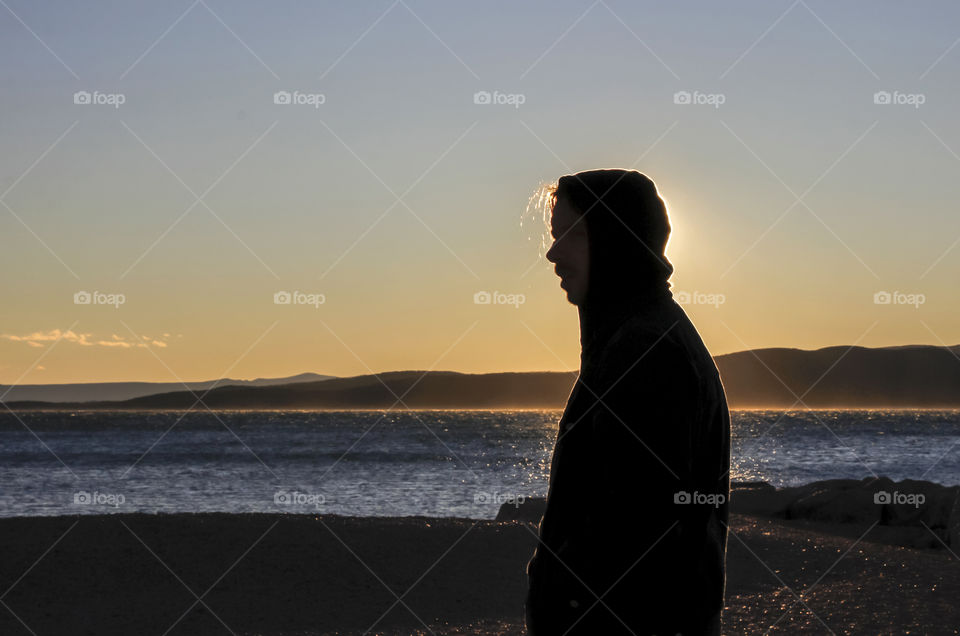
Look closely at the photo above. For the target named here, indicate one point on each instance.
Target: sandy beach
(273, 575)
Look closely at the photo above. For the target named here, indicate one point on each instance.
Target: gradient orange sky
(796, 204)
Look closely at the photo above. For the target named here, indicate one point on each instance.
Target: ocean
(401, 463)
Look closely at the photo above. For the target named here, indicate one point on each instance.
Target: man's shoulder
(660, 339)
(659, 331)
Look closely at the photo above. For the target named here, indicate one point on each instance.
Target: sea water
(401, 463)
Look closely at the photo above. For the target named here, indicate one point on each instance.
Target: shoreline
(831, 500)
(50, 407)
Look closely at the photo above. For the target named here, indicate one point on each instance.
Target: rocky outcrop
(914, 513)
(910, 513)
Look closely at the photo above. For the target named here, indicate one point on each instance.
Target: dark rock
(910, 513)
(531, 509)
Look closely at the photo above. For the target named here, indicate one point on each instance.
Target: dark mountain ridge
(912, 376)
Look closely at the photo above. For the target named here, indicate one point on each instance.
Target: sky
(203, 189)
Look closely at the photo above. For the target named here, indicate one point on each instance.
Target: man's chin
(573, 298)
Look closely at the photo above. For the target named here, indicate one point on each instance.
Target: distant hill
(914, 376)
(905, 376)
(102, 391)
(436, 389)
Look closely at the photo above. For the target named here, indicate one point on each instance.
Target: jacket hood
(627, 230)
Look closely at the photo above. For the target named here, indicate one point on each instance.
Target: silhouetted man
(633, 539)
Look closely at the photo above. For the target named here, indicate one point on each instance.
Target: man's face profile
(570, 250)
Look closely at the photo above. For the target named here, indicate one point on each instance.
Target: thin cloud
(42, 338)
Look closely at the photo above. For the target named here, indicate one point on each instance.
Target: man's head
(610, 229)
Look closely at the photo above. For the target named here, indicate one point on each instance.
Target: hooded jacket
(633, 537)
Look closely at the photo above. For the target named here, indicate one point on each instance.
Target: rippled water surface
(373, 463)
